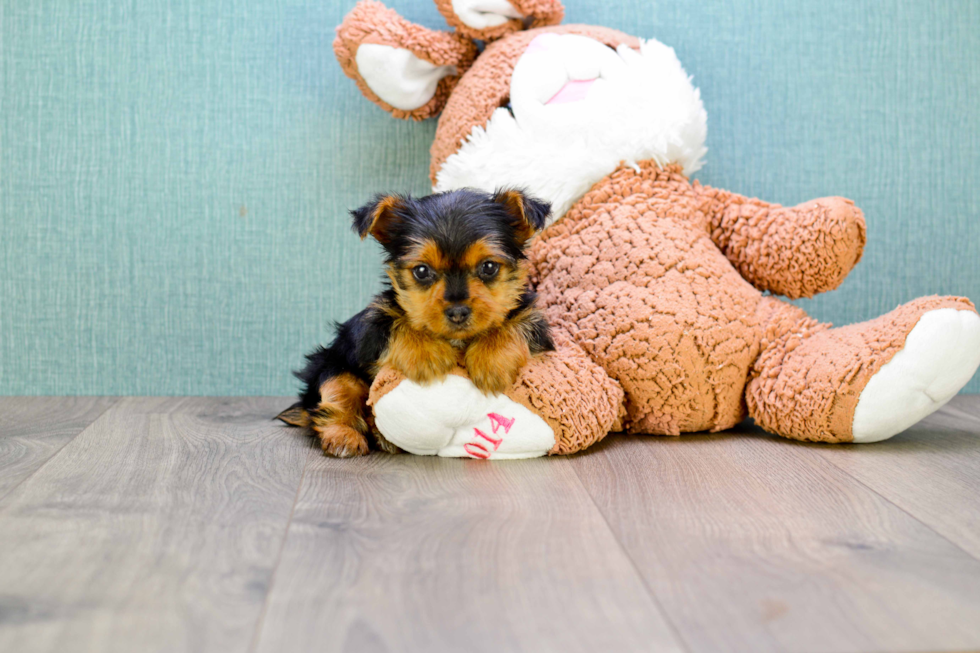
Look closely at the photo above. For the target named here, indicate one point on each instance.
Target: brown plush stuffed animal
(654, 285)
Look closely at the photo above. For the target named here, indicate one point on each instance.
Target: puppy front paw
(420, 357)
(425, 372)
(494, 360)
(341, 441)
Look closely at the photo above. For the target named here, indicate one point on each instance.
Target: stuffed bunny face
(552, 109)
(577, 103)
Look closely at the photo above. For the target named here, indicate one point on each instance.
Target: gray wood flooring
(199, 524)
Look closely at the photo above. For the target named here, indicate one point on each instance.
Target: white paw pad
(940, 355)
(451, 418)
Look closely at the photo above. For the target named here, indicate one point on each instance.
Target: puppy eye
(489, 269)
(422, 272)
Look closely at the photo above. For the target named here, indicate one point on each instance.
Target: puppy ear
(528, 214)
(295, 415)
(377, 217)
(487, 20)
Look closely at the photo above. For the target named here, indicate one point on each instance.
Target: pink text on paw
(478, 449)
(497, 420)
(494, 441)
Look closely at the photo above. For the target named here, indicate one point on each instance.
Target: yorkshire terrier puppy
(457, 293)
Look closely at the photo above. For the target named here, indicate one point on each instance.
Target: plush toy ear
(487, 20)
(402, 67)
(529, 214)
(377, 217)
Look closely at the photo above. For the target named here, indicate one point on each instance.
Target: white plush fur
(481, 14)
(641, 106)
(442, 419)
(940, 355)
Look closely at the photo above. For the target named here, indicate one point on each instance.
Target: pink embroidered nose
(573, 91)
(541, 42)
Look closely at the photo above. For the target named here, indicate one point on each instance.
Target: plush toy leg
(561, 403)
(864, 382)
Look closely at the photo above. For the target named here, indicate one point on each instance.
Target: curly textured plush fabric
(541, 12)
(651, 275)
(765, 242)
(632, 275)
(372, 22)
(572, 394)
(806, 383)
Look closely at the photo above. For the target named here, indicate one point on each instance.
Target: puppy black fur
(456, 293)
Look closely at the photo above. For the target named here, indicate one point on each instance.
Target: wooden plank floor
(199, 524)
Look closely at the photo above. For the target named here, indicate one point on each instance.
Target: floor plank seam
(857, 480)
(275, 569)
(653, 596)
(113, 401)
(960, 413)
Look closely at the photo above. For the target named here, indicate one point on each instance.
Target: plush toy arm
(561, 403)
(795, 251)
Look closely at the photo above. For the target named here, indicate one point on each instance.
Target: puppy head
(456, 260)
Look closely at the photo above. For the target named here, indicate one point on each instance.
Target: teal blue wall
(174, 174)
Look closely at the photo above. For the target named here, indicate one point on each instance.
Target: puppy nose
(458, 314)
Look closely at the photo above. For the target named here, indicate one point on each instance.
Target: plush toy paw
(940, 355)
(452, 418)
